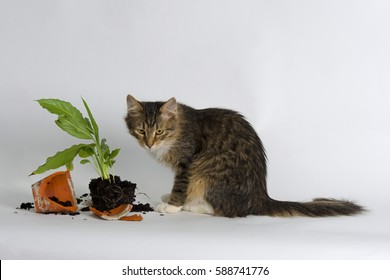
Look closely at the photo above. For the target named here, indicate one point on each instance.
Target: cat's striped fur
(219, 162)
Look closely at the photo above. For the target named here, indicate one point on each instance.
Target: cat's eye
(141, 131)
(159, 131)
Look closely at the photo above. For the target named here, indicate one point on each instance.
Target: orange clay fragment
(112, 214)
(135, 217)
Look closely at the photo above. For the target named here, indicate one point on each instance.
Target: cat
(219, 162)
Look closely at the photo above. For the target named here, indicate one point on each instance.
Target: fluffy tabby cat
(219, 162)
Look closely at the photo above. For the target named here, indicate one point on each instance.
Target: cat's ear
(133, 106)
(169, 108)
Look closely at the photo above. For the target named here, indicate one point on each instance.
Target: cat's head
(153, 124)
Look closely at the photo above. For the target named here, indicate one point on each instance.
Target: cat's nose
(149, 144)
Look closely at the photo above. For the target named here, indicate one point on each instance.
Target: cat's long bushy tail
(319, 207)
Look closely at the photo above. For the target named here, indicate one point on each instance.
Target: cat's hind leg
(195, 201)
(199, 205)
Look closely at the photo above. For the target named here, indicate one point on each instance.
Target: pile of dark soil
(109, 194)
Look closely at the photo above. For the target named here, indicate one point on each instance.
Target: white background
(313, 77)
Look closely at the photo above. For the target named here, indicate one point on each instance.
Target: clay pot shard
(55, 194)
(113, 214)
(135, 217)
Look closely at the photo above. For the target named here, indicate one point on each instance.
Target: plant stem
(104, 174)
(96, 165)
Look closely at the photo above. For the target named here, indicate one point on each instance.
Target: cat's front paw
(168, 208)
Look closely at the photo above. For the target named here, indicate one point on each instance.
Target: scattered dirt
(142, 208)
(26, 206)
(74, 213)
(82, 198)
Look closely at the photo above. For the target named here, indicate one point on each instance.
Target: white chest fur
(160, 151)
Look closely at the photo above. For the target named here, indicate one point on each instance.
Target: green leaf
(110, 163)
(87, 151)
(94, 124)
(59, 159)
(70, 118)
(84, 161)
(114, 153)
(105, 148)
(74, 127)
(60, 107)
(88, 122)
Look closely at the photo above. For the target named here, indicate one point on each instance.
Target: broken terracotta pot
(113, 214)
(55, 194)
